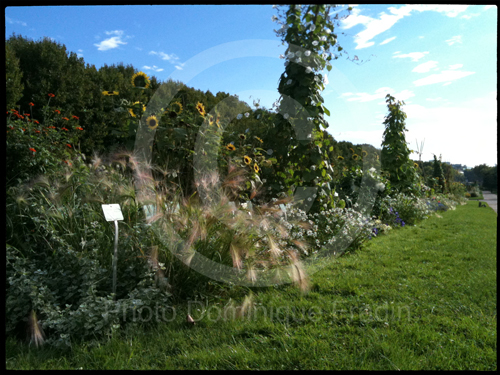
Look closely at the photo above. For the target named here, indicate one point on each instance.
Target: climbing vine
(301, 152)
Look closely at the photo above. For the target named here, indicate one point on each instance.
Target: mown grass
(422, 297)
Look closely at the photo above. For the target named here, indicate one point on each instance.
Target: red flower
(32, 104)
(52, 127)
(67, 144)
(10, 126)
(7, 112)
(63, 129)
(65, 118)
(36, 122)
(57, 111)
(79, 128)
(75, 117)
(51, 95)
(32, 149)
(24, 130)
(26, 114)
(37, 131)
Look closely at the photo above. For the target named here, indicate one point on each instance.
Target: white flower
(372, 169)
(308, 70)
(323, 38)
(307, 53)
(325, 80)
(247, 114)
(328, 31)
(274, 18)
(315, 43)
(290, 55)
(380, 186)
(309, 136)
(239, 116)
(312, 28)
(313, 167)
(298, 60)
(336, 194)
(286, 116)
(282, 56)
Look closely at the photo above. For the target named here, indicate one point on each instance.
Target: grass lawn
(421, 297)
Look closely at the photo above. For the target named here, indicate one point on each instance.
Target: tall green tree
(13, 78)
(395, 153)
(438, 174)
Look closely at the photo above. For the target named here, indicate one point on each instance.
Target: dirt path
(491, 199)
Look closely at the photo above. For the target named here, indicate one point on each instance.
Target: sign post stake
(113, 212)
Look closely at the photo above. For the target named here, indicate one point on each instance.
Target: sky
(439, 59)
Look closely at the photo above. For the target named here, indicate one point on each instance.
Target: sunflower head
(247, 160)
(201, 108)
(230, 147)
(243, 137)
(416, 165)
(136, 104)
(256, 168)
(365, 153)
(176, 107)
(355, 156)
(211, 120)
(340, 157)
(141, 80)
(152, 122)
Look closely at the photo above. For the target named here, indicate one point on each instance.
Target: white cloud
(112, 42)
(425, 67)
(114, 32)
(379, 94)
(444, 76)
(445, 130)
(11, 21)
(447, 83)
(453, 40)
(414, 56)
(388, 40)
(421, 37)
(456, 66)
(154, 67)
(468, 17)
(434, 99)
(375, 26)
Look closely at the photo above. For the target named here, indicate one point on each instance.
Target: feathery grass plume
(298, 274)
(246, 306)
(36, 332)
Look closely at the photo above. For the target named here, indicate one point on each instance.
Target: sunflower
(242, 137)
(176, 107)
(351, 150)
(365, 153)
(217, 121)
(152, 122)
(247, 160)
(201, 108)
(340, 157)
(110, 93)
(131, 111)
(355, 156)
(141, 80)
(230, 147)
(211, 120)
(256, 168)
(416, 165)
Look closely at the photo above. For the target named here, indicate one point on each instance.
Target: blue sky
(440, 59)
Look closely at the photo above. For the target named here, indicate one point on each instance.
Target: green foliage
(395, 152)
(13, 75)
(438, 174)
(58, 256)
(301, 150)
